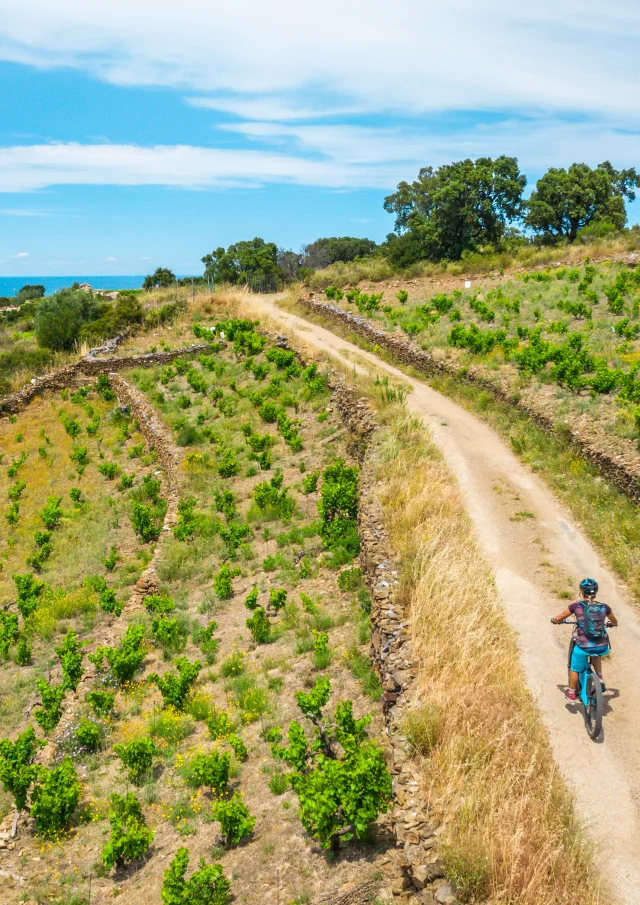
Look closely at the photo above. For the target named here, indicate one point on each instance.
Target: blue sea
(10, 285)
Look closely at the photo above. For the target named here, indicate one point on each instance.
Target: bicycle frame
(589, 691)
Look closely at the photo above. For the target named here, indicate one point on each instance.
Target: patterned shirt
(577, 609)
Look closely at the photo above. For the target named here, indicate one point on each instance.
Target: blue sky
(134, 136)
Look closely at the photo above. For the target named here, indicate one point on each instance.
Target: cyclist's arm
(612, 619)
(563, 615)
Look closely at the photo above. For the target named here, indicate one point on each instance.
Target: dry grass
(488, 769)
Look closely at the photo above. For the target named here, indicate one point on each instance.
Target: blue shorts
(579, 657)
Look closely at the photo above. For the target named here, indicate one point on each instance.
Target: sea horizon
(9, 286)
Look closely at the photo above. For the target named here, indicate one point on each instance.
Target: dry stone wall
(168, 457)
(88, 367)
(620, 465)
(415, 869)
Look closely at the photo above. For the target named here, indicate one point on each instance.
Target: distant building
(85, 287)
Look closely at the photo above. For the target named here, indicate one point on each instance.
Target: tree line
(449, 211)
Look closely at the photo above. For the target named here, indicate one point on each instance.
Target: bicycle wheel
(593, 711)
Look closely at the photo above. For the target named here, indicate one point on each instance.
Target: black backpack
(593, 621)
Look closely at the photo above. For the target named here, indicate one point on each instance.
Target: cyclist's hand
(553, 621)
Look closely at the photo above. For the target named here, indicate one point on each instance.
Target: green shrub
(16, 465)
(24, 651)
(15, 491)
(12, 513)
(279, 783)
(145, 521)
(29, 590)
(130, 836)
(79, 455)
(109, 602)
(109, 470)
(125, 659)
(233, 535)
(48, 714)
(277, 599)
(42, 538)
(54, 798)
(259, 626)
(234, 665)
(225, 502)
(310, 482)
(308, 604)
(207, 643)
(71, 426)
(208, 770)
(101, 702)
(251, 600)
(350, 580)
(17, 768)
(8, 632)
(187, 521)
(52, 512)
(206, 886)
(236, 823)
(252, 700)
(340, 791)
(402, 296)
(159, 604)
(137, 756)
(222, 581)
(272, 499)
(88, 735)
(321, 652)
(126, 481)
(172, 725)
(338, 508)
(169, 634)
(220, 725)
(238, 747)
(110, 561)
(175, 688)
(228, 465)
(71, 660)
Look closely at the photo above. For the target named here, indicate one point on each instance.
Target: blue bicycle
(589, 689)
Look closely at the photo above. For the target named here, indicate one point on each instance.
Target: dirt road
(535, 550)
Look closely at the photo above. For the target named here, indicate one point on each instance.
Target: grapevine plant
(340, 776)
(206, 886)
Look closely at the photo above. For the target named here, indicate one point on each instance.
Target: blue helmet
(589, 587)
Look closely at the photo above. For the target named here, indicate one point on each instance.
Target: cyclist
(591, 638)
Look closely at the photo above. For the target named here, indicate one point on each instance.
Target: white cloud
(111, 260)
(338, 157)
(411, 56)
(23, 212)
(21, 254)
(27, 168)
(268, 108)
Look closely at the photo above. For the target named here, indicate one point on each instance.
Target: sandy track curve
(531, 558)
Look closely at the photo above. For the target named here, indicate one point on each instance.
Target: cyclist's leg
(579, 661)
